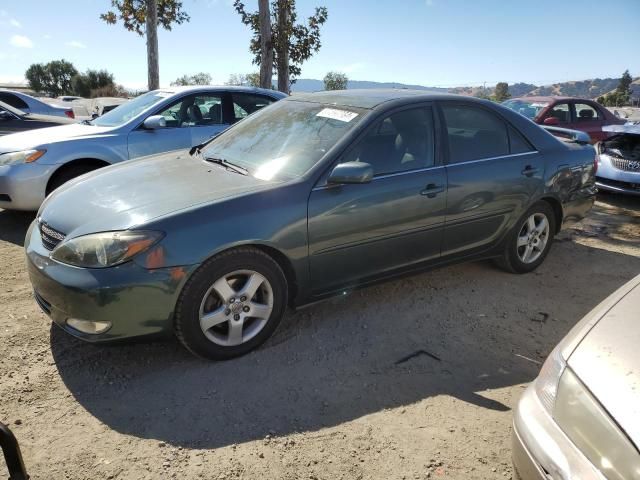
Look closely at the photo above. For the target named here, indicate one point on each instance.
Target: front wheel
(231, 304)
(530, 240)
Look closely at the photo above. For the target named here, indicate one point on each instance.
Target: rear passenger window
(246, 103)
(518, 143)
(585, 113)
(13, 100)
(474, 133)
(400, 142)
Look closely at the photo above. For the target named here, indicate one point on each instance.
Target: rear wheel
(231, 305)
(530, 240)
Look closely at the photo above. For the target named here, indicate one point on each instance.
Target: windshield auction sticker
(335, 114)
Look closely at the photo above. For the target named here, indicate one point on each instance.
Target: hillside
(583, 88)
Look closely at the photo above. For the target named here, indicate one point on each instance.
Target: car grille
(626, 165)
(50, 237)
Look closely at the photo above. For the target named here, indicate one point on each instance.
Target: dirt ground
(411, 379)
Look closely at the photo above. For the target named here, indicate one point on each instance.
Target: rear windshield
(528, 108)
(284, 139)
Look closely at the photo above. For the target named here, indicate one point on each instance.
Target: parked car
(619, 160)
(580, 417)
(29, 104)
(68, 98)
(311, 197)
(33, 164)
(13, 120)
(574, 113)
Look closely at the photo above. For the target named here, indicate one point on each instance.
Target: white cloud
(15, 23)
(21, 41)
(75, 44)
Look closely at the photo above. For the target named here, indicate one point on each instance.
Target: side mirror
(155, 122)
(551, 121)
(351, 172)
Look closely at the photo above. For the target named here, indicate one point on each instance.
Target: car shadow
(14, 225)
(461, 331)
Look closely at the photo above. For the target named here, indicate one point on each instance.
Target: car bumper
(616, 180)
(23, 186)
(136, 301)
(541, 450)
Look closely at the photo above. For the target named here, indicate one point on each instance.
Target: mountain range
(583, 88)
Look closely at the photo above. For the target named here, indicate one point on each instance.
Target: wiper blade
(228, 165)
(86, 122)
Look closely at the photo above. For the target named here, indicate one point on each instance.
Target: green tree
(502, 92)
(197, 79)
(624, 88)
(143, 17)
(53, 78)
(84, 84)
(293, 43)
(240, 79)
(335, 81)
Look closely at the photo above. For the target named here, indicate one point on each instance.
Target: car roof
(371, 98)
(231, 88)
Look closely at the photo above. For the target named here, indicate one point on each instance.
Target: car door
(190, 120)
(359, 231)
(492, 172)
(587, 118)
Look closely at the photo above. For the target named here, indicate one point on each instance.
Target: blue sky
(427, 42)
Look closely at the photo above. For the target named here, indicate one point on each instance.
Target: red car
(567, 112)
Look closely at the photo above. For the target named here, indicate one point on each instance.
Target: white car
(29, 104)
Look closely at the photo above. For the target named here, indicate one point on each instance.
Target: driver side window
(400, 142)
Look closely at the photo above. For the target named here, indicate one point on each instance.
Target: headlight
(100, 250)
(25, 156)
(547, 382)
(593, 431)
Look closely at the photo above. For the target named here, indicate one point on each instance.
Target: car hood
(43, 136)
(132, 193)
(607, 361)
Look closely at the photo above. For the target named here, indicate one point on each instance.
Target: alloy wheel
(533, 238)
(236, 307)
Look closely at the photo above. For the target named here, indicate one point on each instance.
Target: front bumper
(615, 180)
(23, 186)
(541, 450)
(136, 301)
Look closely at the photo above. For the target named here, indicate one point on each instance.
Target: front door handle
(529, 171)
(432, 190)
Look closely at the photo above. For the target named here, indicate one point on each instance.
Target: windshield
(529, 109)
(285, 139)
(125, 112)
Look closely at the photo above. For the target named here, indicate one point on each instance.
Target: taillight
(69, 113)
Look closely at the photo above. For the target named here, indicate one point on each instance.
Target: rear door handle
(529, 171)
(432, 190)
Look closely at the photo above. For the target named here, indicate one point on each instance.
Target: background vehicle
(13, 120)
(579, 418)
(313, 196)
(619, 160)
(29, 104)
(568, 112)
(156, 122)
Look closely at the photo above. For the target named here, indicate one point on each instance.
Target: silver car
(29, 104)
(619, 160)
(580, 419)
(33, 164)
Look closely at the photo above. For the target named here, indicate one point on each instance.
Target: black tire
(68, 173)
(510, 260)
(187, 314)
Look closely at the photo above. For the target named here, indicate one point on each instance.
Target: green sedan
(310, 197)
